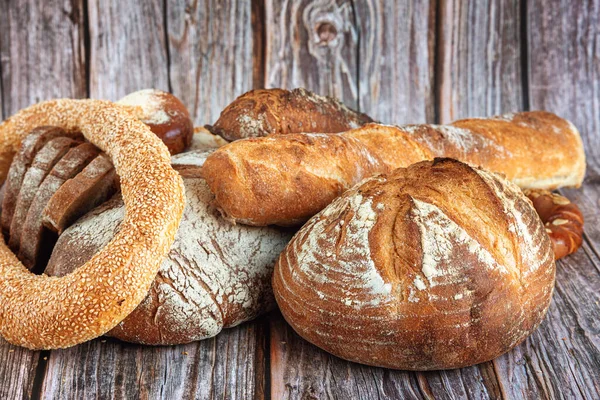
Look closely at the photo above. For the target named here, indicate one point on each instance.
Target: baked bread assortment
(286, 179)
(434, 266)
(447, 257)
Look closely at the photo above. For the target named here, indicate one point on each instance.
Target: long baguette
(286, 179)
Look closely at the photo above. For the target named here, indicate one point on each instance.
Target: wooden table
(417, 61)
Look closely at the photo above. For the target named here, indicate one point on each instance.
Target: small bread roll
(434, 266)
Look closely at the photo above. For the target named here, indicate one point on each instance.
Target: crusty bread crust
(285, 179)
(435, 266)
(42, 164)
(265, 112)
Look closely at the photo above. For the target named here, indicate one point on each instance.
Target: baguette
(286, 179)
(276, 111)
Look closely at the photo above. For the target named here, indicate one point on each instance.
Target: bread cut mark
(531, 248)
(439, 236)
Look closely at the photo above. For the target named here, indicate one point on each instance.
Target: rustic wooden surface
(405, 61)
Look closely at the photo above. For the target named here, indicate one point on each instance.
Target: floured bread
(434, 266)
(217, 275)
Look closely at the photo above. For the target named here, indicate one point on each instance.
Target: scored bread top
(438, 265)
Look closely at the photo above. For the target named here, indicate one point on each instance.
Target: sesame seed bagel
(42, 312)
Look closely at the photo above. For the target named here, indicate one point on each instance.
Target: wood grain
(312, 44)
(42, 53)
(560, 359)
(211, 47)
(396, 59)
(128, 49)
(221, 367)
(17, 371)
(564, 65)
(479, 64)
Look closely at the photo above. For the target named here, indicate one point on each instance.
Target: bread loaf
(21, 162)
(435, 266)
(42, 164)
(285, 179)
(36, 241)
(216, 275)
(275, 111)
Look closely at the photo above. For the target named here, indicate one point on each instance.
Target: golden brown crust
(563, 220)
(435, 266)
(265, 112)
(164, 114)
(264, 181)
(44, 312)
(532, 149)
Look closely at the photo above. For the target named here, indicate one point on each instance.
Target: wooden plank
(316, 45)
(479, 65)
(211, 52)
(312, 44)
(222, 367)
(128, 47)
(30, 73)
(564, 65)
(562, 358)
(18, 371)
(396, 59)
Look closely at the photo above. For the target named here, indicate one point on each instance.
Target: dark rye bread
(78, 195)
(21, 162)
(36, 240)
(43, 162)
(264, 112)
(216, 275)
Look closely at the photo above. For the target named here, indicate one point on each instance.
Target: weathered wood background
(400, 61)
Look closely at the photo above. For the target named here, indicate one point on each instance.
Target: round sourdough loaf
(434, 266)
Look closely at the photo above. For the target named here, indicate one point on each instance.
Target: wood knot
(327, 32)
